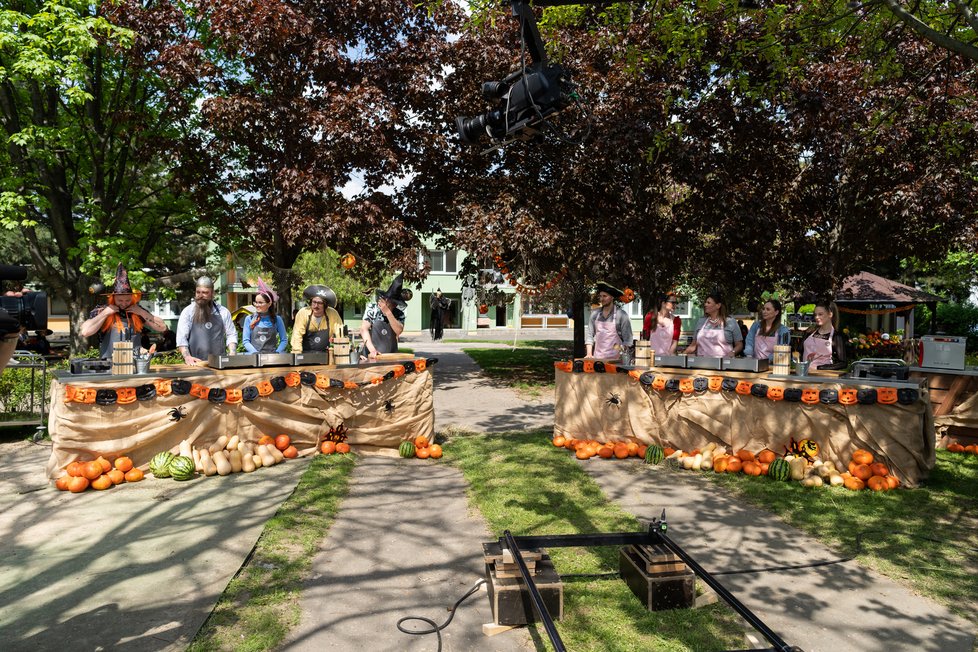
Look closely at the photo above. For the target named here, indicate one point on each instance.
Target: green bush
(15, 391)
(952, 319)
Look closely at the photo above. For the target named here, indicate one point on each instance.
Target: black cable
(435, 627)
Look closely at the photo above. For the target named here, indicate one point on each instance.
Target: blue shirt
(783, 335)
(265, 321)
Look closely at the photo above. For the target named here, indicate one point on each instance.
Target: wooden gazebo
(872, 295)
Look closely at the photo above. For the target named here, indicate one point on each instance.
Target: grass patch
(528, 368)
(926, 537)
(523, 484)
(261, 604)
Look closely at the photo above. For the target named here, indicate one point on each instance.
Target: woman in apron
(716, 335)
(823, 346)
(664, 327)
(766, 333)
(265, 332)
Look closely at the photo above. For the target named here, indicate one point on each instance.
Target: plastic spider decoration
(389, 406)
(177, 413)
(337, 434)
(806, 448)
(614, 399)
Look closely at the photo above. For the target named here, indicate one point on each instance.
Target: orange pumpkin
(69, 397)
(743, 387)
(134, 475)
(163, 387)
(621, 451)
(847, 396)
(328, 447)
(659, 383)
(734, 465)
(290, 452)
(861, 456)
(101, 483)
(126, 395)
(62, 482)
(123, 463)
(422, 453)
(347, 261)
(886, 395)
(233, 396)
(877, 483)
(558, 441)
(421, 441)
(322, 381)
(78, 485)
(606, 452)
(85, 395)
(435, 450)
(878, 468)
(809, 395)
(720, 464)
(198, 390)
(420, 364)
(862, 472)
(589, 366)
(745, 455)
(775, 393)
(715, 383)
(282, 442)
(686, 385)
(853, 483)
(766, 456)
(891, 482)
(292, 379)
(265, 388)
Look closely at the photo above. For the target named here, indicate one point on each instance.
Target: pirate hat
(322, 291)
(601, 286)
(395, 292)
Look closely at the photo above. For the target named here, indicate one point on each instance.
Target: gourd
(707, 463)
(798, 466)
(197, 465)
(813, 481)
(234, 458)
(185, 449)
(207, 462)
(232, 443)
(835, 479)
(223, 466)
(266, 457)
(218, 445)
(248, 462)
(276, 454)
(697, 462)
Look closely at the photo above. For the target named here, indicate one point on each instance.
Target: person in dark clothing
(440, 306)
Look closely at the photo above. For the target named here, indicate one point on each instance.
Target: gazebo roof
(870, 288)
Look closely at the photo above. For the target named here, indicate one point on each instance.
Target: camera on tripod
(29, 310)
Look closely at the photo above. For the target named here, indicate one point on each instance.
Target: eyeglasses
(259, 302)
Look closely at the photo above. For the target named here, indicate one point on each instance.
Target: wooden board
(677, 591)
(658, 560)
(510, 599)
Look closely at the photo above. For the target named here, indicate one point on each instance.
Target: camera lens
(492, 90)
(471, 129)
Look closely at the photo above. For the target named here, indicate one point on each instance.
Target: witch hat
(395, 292)
(122, 285)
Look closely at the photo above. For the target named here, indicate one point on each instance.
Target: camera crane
(527, 97)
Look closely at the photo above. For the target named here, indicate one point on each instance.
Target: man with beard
(205, 327)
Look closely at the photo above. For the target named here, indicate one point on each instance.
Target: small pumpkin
(126, 395)
(85, 395)
(886, 395)
(589, 366)
(809, 395)
(292, 379)
(686, 385)
(715, 383)
(322, 381)
(199, 391)
(744, 387)
(163, 387)
(848, 396)
(348, 261)
(265, 388)
(775, 393)
(420, 365)
(659, 383)
(233, 396)
(69, 397)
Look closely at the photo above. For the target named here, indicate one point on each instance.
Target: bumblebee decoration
(177, 413)
(614, 399)
(389, 406)
(807, 448)
(337, 434)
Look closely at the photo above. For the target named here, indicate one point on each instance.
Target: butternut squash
(232, 443)
(247, 463)
(267, 459)
(223, 466)
(256, 460)
(218, 445)
(234, 458)
(276, 454)
(185, 448)
(798, 466)
(196, 455)
(207, 463)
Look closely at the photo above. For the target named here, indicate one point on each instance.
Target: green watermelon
(406, 449)
(779, 470)
(182, 468)
(160, 464)
(653, 454)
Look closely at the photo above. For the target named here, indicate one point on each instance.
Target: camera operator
(122, 319)
(19, 310)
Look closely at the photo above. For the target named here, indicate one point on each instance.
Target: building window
(634, 309)
(443, 262)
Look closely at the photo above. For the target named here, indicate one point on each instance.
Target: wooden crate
(672, 590)
(510, 600)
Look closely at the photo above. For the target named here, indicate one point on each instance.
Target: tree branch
(929, 33)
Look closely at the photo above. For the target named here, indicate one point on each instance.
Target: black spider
(614, 399)
(389, 406)
(177, 413)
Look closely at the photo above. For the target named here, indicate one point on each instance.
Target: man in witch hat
(609, 331)
(383, 321)
(315, 325)
(122, 319)
(205, 327)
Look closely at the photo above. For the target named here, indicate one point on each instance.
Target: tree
(91, 97)
(316, 98)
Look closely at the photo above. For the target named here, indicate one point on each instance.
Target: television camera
(27, 309)
(527, 98)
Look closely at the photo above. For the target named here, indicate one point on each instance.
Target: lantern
(348, 261)
(483, 309)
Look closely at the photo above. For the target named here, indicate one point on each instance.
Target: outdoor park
(394, 325)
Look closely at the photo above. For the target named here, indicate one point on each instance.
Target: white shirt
(187, 319)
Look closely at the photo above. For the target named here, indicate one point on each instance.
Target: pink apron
(821, 348)
(711, 342)
(661, 340)
(606, 339)
(764, 346)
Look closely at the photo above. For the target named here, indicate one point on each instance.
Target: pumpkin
(69, 397)
(862, 471)
(199, 391)
(589, 366)
(745, 455)
(659, 383)
(654, 454)
(282, 442)
(877, 483)
(720, 463)
(347, 261)
(265, 389)
(743, 387)
(847, 396)
(233, 396)
(715, 383)
(78, 485)
(892, 482)
(558, 441)
(886, 395)
(766, 456)
(125, 395)
(861, 456)
(421, 441)
(163, 387)
(853, 483)
(809, 395)
(775, 393)
(322, 381)
(559, 366)
(734, 465)
(686, 385)
(289, 453)
(85, 395)
(878, 468)
(420, 365)
(610, 368)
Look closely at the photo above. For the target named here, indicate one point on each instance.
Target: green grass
(261, 604)
(523, 484)
(528, 368)
(899, 526)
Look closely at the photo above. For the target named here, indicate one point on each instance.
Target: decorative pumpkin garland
(234, 395)
(883, 311)
(699, 384)
(525, 289)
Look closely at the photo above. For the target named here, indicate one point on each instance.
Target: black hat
(335, 382)
(792, 394)
(409, 367)
(278, 383)
(307, 378)
(598, 367)
(321, 291)
(106, 397)
(578, 366)
(646, 378)
(828, 396)
(701, 383)
(395, 292)
(729, 385)
(866, 396)
(217, 395)
(672, 384)
(146, 392)
(905, 396)
(180, 387)
(759, 390)
(249, 393)
(601, 286)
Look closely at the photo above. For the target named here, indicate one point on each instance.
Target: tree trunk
(579, 314)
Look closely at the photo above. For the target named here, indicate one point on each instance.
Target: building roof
(870, 288)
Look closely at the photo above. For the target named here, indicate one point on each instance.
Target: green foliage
(16, 389)
(952, 277)
(322, 267)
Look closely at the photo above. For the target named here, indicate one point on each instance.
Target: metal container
(90, 366)
(745, 364)
(881, 369)
(222, 361)
(275, 359)
(312, 357)
(704, 362)
(677, 361)
(942, 351)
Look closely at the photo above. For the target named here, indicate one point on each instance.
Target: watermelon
(182, 468)
(654, 454)
(160, 464)
(406, 449)
(779, 470)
